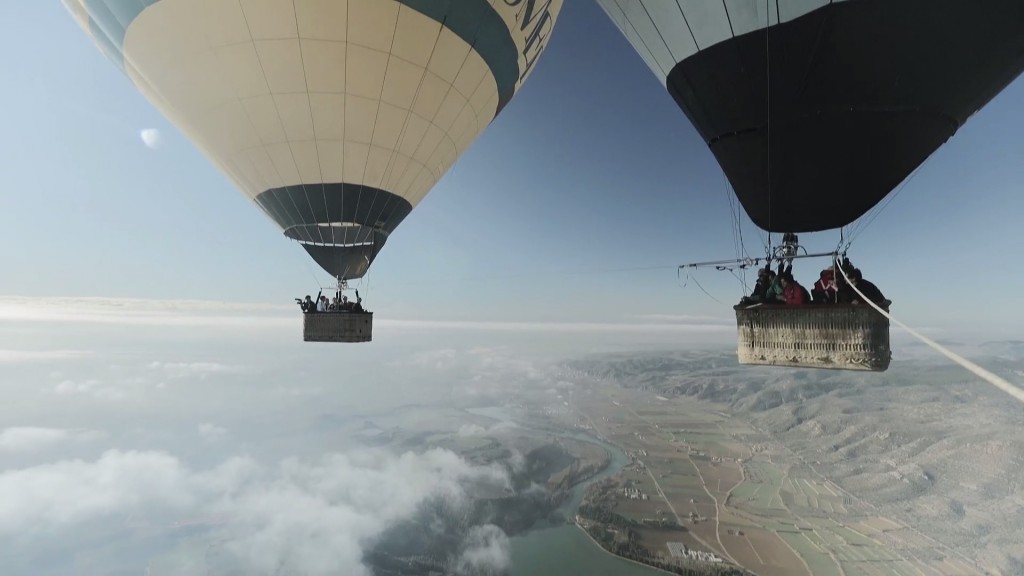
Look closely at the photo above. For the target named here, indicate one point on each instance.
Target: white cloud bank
(193, 369)
(91, 387)
(31, 439)
(18, 356)
(197, 313)
(211, 431)
(304, 517)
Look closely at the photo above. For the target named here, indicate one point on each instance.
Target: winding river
(566, 550)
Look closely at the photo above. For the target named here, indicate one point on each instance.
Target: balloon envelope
(817, 109)
(336, 117)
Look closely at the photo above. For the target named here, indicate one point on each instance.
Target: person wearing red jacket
(792, 291)
(825, 289)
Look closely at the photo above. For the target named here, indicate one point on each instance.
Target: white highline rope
(978, 371)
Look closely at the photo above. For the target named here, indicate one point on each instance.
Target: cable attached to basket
(973, 368)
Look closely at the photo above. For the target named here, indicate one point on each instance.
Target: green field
(745, 491)
(818, 561)
(767, 479)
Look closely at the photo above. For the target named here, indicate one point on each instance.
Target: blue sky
(591, 167)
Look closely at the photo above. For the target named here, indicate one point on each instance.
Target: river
(566, 550)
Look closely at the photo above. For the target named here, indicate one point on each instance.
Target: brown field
(722, 477)
(955, 566)
(776, 557)
(731, 518)
(705, 531)
(743, 551)
(655, 540)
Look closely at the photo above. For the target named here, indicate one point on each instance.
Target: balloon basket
(830, 336)
(337, 327)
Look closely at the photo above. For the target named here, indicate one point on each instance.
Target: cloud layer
(32, 438)
(300, 516)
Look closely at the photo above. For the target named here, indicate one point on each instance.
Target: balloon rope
(305, 192)
(305, 262)
(978, 371)
(768, 122)
(697, 282)
(316, 146)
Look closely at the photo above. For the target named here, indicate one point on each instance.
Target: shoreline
(610, 553)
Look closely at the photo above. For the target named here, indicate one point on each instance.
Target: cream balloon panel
(666, 32)
(78, 12)
(280, 93)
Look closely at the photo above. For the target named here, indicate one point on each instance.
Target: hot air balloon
(336, 117)
(816, 110)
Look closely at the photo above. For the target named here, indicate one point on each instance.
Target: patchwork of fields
(744, 497)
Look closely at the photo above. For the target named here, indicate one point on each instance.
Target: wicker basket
(836, 336)
(337, 327)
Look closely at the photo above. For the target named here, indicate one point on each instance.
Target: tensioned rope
(503, 277)
(978, 371)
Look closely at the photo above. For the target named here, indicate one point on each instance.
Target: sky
(591, 170)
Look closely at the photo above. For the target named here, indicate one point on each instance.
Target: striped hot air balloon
(817, 109)
(336, 117)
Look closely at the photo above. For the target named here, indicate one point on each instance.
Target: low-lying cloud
(486, 551)
(33, 438)
(299, 516)
(18, 356)
(193, 313)
(467, 430)
(92, 387)
(193, 369)
(211, 431)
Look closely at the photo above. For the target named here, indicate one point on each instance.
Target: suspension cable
(695, 281)
(973, 368)
(305, 263)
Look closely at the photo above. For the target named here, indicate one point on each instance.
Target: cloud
(55, 496)
(31, 439)
(307, 517)
(16, 356)
(682, 319)
(472, 430)
(141, 312)
(211, 431)
(193, 369)
(89, 388)
(150, 137)
(486, 552)
(440, 359)
(554, 327)
(478, 430)
(199, 313)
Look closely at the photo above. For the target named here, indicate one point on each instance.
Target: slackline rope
(978, 371)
